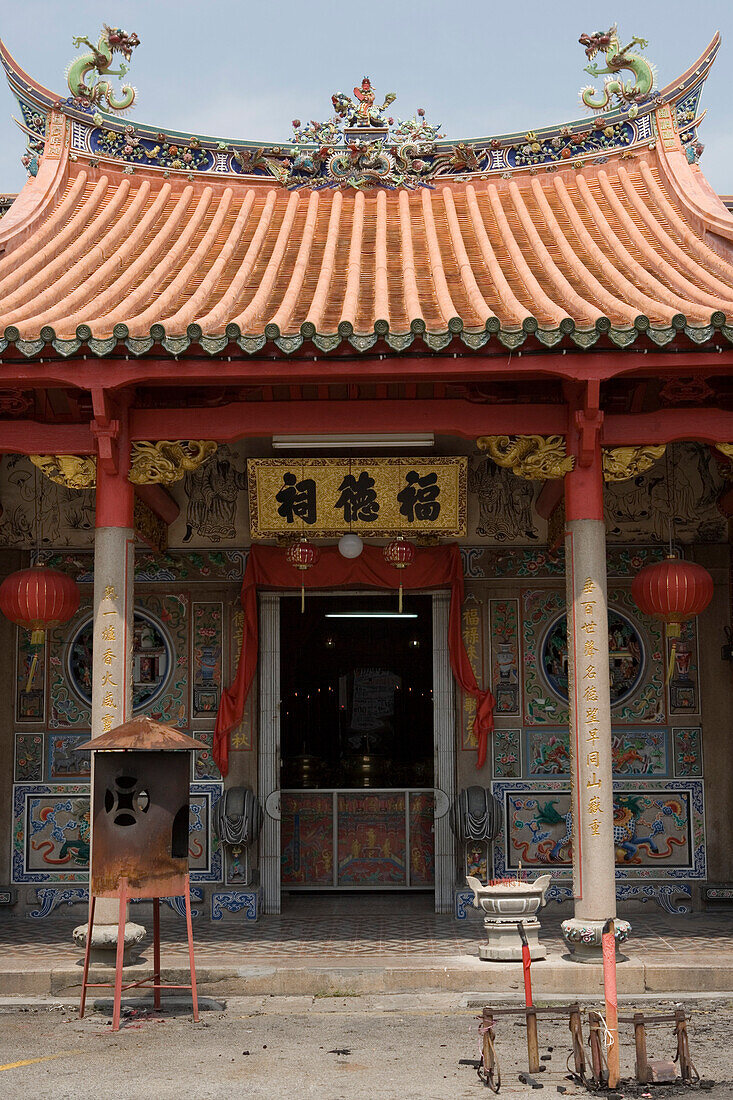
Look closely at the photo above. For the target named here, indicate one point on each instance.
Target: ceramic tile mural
(371, 839)
(51, 833)
(306, 838)
(687, 751)
(507, 753)
(207, 620)
(548, 751)
(658, 827)
(65, 761)
(28, 757)
(422, 839)
(505, 660)
(684, 691)
(473, 622)
(635, 655)
(635, 751)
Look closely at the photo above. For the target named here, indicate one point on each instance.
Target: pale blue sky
(479, 67)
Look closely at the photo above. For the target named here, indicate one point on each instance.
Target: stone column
(444, 712)
(114, 572)
(269, 749)
(594, 882)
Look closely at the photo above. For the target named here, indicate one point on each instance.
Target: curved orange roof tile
(574, 248)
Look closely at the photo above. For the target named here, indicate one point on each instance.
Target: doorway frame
(268, 762)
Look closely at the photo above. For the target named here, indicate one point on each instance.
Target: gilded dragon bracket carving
(73, 471)
(535, 457)
(621, 463)
(168, 460)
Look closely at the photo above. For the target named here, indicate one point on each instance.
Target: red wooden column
(594, 886)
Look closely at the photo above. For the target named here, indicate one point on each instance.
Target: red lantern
(38, 599)
(400, 553)
(673, 592)
(302, 555)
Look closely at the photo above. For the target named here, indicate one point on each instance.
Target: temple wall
(671, 741)
(514, 630)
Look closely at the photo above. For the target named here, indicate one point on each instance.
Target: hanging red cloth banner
(267, 568)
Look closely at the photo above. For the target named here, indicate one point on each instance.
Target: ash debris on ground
(393, 1047)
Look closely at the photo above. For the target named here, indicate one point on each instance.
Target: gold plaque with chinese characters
(377, 497)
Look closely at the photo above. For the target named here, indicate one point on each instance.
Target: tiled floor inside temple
(313, 928)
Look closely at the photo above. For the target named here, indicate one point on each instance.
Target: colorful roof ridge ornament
(358, 147)
(616, 92)
(98, 60)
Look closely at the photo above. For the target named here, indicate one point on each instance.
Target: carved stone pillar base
(503, 942)
(104, 942)
(583, 938)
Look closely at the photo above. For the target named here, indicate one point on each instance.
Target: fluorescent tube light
(370, 615)
(321, 442)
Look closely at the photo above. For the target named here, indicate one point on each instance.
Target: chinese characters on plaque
(110, 641)
(381, 497)
(588, 704)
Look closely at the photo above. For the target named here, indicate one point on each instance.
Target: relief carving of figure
(505, 502)
(212, 493)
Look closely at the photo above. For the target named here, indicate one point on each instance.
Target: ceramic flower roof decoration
(616, 92)
(98, 60)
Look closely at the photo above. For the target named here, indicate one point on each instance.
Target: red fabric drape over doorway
(434, 567)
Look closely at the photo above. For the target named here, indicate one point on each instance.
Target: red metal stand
(153, 982)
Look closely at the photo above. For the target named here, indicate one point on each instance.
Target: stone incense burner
(506, 903)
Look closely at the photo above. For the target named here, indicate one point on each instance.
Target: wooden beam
(464, 419)
(31, 437)
(115, 373)
(667, 426)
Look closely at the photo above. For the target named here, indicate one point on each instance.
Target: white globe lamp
(350, 546)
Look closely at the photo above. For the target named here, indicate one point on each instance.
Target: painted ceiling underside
(611, 248)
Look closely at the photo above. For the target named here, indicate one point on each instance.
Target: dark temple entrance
(357, 740)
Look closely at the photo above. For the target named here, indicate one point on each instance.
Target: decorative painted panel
(507, 754)
(30, 699)
(51, 833)
(422, 839)
(658, 828)
(687, 751)
(635, 751)
(306, 833)
(207, 619)
(65, 762)
(505, 659)
(160, 663)
(210, 566)
(684, 689)
(204, 766)
(538, 562)
(371, 839)
(28, 757)
(635, 654)
(473, 625)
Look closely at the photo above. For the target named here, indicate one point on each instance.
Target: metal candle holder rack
(139, 848)
(603, 1035)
